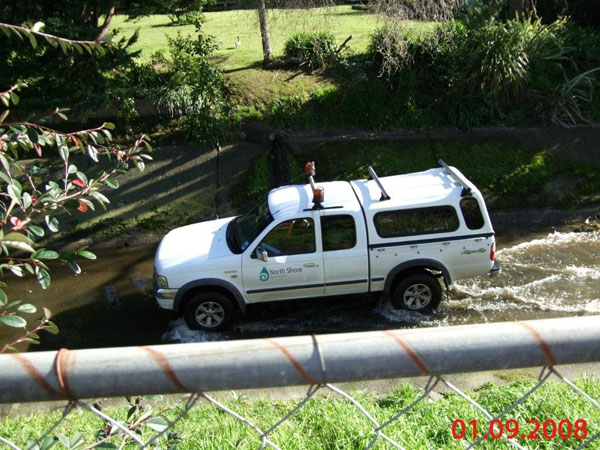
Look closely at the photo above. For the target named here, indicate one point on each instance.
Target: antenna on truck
(374, 177)
(318, 192)
(452, 174)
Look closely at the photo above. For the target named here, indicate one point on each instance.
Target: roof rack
(452, 174)
(374, 177)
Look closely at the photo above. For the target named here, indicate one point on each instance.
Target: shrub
(483, 69)
(314, 50)
(42, 189)
(192, 86)
(391, 50)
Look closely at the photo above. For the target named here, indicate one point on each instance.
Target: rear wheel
(209, 311)
(417, 292)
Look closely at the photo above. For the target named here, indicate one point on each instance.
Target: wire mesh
(119, 433)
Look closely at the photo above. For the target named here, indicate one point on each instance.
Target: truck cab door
(345, 254)
(294, 268)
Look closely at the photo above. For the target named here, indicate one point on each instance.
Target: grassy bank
(250, 84)
(226, 26)
(333, 423)
(433, 75)
(509, 176)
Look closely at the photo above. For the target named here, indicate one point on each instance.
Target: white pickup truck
(400, 235)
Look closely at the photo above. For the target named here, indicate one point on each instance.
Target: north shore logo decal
(264, 274)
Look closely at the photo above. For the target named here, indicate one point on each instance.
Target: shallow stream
(545, 274)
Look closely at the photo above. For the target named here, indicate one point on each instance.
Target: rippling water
(558, 273)
(111, 303)
(553, 276)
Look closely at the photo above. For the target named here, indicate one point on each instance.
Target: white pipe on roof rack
(384, 194)
(455, 177)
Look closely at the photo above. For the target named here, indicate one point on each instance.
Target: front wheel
(417, 292)
(209, 311)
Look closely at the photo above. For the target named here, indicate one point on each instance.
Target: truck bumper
(495, 270)
(165, 298)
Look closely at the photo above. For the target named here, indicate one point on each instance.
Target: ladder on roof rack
(374, 177)
(452, 174)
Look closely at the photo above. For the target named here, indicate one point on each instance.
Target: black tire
(417, 292)
(209, 311)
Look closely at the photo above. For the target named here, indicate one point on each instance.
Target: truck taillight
(493, 252)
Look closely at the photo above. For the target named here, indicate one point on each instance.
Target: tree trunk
(264, 32)
(518, 9)
(107, 20)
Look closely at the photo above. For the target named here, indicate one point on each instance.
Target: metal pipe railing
(262, 363)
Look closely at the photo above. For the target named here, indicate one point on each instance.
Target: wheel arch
(208, 284)
(412, 266)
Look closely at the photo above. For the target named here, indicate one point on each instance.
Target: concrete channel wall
(575, 144)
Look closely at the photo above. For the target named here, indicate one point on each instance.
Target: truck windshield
(251, 224)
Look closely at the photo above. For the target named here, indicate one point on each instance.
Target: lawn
(242, 64)
(334, 423)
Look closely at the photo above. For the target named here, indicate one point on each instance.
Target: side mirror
(262, 254)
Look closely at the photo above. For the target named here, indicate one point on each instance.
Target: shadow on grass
(170, 25)
(254, 65)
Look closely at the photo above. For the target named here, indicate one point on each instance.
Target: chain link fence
(309, 360)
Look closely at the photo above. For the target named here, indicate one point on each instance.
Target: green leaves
(112, 183)
(27, 200)
(158, 424)
(86, 254)
(46, 444)
(74, 442)
(18, 241)
(64, 44)
(51, 223)
(43, 277)
(63, 151)
(100, 198)
(37, 192)
(45, 254)
(27, 308)
(13, 321)
(14, 191)
(38, 231)
(74, 267)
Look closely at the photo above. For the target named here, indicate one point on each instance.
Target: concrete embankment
(186, 184)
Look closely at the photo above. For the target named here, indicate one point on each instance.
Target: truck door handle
(310, 265)
(413, 246)
(446, 243)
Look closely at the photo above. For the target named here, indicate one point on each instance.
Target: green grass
(508, 174)
(334, 423)
(249, 82)
(342, 21)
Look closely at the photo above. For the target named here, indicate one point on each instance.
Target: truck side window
(472, 213)
(339, 232)
(292, 237)
(409, 222)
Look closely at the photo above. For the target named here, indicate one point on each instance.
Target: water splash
(558, 273)
(179, 332)
(553, 276)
